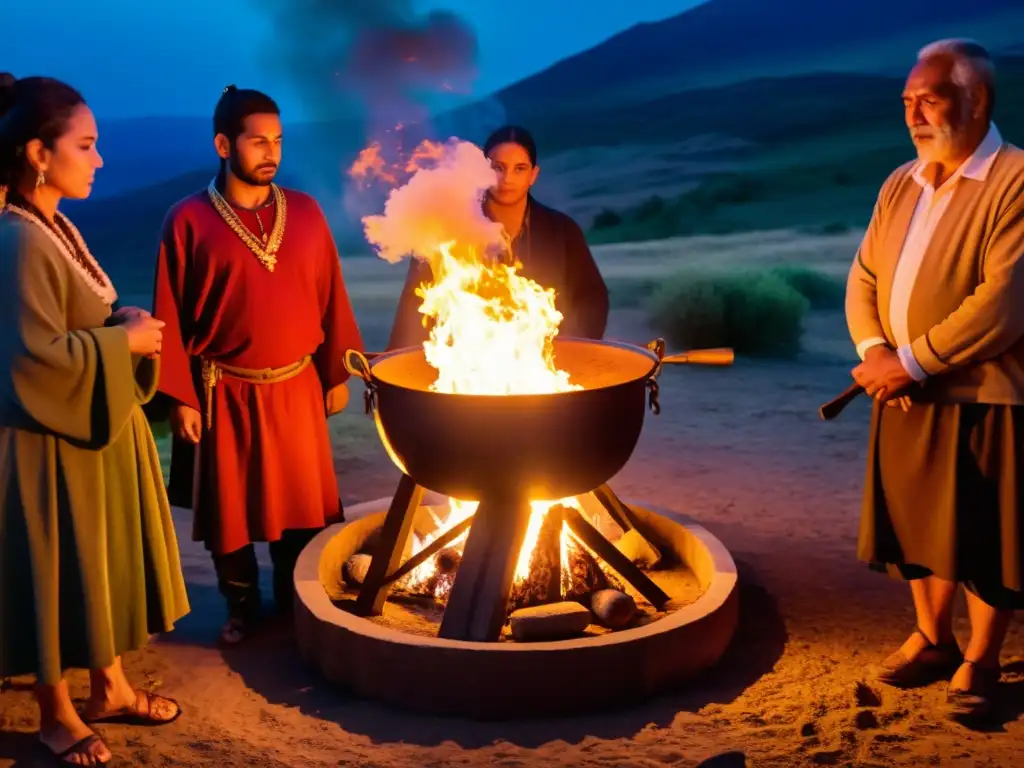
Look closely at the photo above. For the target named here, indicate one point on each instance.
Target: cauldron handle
(658, 348)
(357, 365)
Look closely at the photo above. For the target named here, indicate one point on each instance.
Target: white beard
(941, 145)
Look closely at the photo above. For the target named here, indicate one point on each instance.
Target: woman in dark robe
(549, 245)
(89, 565)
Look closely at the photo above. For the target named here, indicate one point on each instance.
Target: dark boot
(238, 580)
(284, 553)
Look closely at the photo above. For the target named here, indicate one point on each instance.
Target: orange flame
(493, 329)
(371, 164)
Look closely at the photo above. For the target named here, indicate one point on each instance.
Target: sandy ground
(743, 452)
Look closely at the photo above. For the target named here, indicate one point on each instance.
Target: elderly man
(935, 305)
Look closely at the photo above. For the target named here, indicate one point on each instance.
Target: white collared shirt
(931, 206)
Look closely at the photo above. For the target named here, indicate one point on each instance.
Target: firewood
(446, 568)
(369, 546)
(639, 551)
(448, 560)
(592, 539)
(544, 582)
(355, 569)
(614, 609)
(585, 575)
(555, 621)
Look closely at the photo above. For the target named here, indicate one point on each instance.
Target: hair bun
(230, 88)
(7, 81)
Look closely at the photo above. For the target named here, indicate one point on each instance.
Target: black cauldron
(547, 446)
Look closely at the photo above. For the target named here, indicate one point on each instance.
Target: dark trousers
(238, 574)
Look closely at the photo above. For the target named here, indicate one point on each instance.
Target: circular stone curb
(509, 680)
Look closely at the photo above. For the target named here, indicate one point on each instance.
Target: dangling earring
(40, 179)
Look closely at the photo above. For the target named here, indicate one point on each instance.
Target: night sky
(134, 59)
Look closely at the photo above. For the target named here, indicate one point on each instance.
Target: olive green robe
(89, 563)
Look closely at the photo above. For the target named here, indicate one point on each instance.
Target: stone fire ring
(506, 680)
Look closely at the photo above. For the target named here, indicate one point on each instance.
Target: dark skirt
(943, 497)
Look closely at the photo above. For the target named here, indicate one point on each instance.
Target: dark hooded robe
(554, 253)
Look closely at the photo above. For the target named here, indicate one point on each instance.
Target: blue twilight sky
(133, 58)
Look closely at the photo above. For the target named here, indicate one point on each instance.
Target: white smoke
(439, 204)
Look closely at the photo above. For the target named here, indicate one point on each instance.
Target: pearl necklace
(103, 288)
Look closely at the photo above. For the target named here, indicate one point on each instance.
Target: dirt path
(745, 451)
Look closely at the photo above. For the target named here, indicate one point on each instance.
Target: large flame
(492, 329)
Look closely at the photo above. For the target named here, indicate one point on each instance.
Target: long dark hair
(513, 134)
(31, 108)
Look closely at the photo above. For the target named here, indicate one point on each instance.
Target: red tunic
(265, 466)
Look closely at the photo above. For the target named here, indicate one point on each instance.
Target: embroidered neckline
(106, 293)
(266, 253)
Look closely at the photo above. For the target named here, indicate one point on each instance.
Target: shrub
(651, 208)
(606, 219)
(755, 313)
(821, 290)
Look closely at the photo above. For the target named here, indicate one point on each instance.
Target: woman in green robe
(89, 564)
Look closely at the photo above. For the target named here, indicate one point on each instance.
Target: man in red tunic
(249, 283)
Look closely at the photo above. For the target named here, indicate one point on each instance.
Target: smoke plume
(440, 203)
(379, 56)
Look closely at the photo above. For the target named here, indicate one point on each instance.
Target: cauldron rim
(623, 345)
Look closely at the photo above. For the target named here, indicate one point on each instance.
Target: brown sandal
(937, 661)
(978, 700)
(80, 747)
(141, 713)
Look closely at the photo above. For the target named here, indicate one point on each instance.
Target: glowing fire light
(492, 328)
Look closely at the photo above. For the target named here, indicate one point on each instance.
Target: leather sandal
(83, 748)
(978, 700)
(149, 709)
(937, 661)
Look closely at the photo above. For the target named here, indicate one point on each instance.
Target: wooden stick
(617, 511)
(624, 517)
(388, 552)
(615, 560)
(835, 406)
(430, 550)
(718, 356)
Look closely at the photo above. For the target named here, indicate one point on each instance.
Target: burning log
(549, 622)
(440, 582)
(355, 569)
(436, 546)
(585, 575)
(639, 551)
(614, 609)
(544, 583)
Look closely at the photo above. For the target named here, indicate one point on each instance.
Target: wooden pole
(388, 554)
(614, 559)
(478, 603)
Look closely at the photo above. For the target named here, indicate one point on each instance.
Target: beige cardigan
(966, 312)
